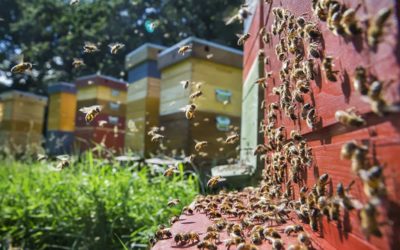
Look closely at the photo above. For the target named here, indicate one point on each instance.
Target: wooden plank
(137, 90)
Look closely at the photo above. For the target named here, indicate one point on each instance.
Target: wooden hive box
(143, 99)
(22, 118)
(218, 68)
(110, 93)
(61, 118)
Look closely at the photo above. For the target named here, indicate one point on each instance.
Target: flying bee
(305, 239)
(73, 2)
(246, 246)
(313, 50)
(91, 112)
(232, 139)
(189, 111)
(349, 118)
(200, 145)
(350, 23)
(196, 94)
(183, 49)
(242, 38)
(376, 25)
(215, 180)
(41, 157)
(157, 137)
(205, 244)
(360, 80)
(373, 181)
(64, 162)
(327, 66)
(170, 171)
(90, 47)
(115, 47)
(241, 15)
(369, 223)
(375, 90)
(173, 202)
(77, 62)
(21, 67)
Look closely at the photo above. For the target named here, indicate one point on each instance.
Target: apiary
(143, 98)
(61, 118)
(215, 70)
(22, 117)
(108, 126)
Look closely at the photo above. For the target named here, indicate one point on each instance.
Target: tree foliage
(50, 33)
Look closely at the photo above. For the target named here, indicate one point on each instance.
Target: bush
(90, 205)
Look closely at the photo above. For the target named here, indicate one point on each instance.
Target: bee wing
(62, 157)
(85, 110)
(230, 20)
(239, 35)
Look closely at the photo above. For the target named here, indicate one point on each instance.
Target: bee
(314, 215)
(311, 118)
(327, 66)
(349, 118)
(41, 157)
(163, 233)
(242, 38)
(312, 31)
(376, 25)
(293, 229)
(212, 235)
(313, 50)
(373, 181)
(271, 232)
(303, 86)
(200, 145)
(260, 149)
(64, 162)
(241, 15)
(21, 67)
(185, 84)
(234, 240)
(157, 137)
(262, 82)
(170, 171)
(232, 139)
(73, 2)
(215, 180)
(345, 201)
(369, 223)
(265, 36)
(308, 67)
(256, 238)
(246, 246)
(91, 112)
(187, 210)
(173, 202)
(90, 47)
(173, 220)
(189, 111)
(350, 23)
(183, 49)
(196, 94)
(277, 244)
(348, 149)
(180, 238)
(193, 237)
(360, 80)
(77, 62)
(115, 47)
(205, 244)
(334, 18)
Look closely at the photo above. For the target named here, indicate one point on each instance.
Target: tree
(50, 33)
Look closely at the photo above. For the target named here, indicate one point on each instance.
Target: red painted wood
(80, 121)
(92, 136)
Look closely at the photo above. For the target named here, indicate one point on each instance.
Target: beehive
(218, 68)
(61, 118)
(110, 93)
(143, 98)
(22, 119)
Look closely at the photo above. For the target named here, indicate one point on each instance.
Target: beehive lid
(61, 87)
(201, 49)
(24, 96)
(147, 51)
(230, 170)
(102, 80)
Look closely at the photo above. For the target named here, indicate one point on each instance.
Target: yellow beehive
(216, 69)
(143, 97)
(22, 117)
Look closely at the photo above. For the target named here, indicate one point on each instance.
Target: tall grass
(90, 205)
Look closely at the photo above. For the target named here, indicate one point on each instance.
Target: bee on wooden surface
(205, 244)
(200, 145)
(163, 233)
(90, 47)
(312, 31)
(327, 66)
(333, 19)
(297, 96)
(304, 239)
(242, 38)
(369, 222)
(91, 112)
(344, 200)
(187, 210)
(313, 50)
(360, 80)
(356, 153)
(293, 229)
(170, 171)
(193, 237)
(215, 180)
(256, 238)
(349, 118)
(179, 238)
(373, 181)
(350, 23)
(260, 149)
(21, 67)
(173, 202)
(115, 47)
(277, 244)
(265, 36)
(212, 236)
(308, 67)
(232, 139)
(184, 49)
(271, 232)
(376, 25)
(311, 118)
(196, 94)
(314, 216)
(241, 15)
(77, 62)
(246, 246)
(173, 220)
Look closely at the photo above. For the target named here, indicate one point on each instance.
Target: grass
(90, 205)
